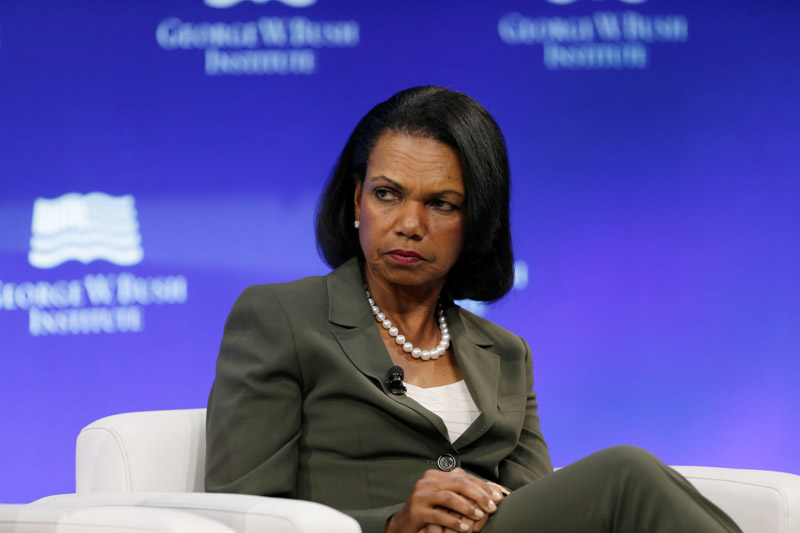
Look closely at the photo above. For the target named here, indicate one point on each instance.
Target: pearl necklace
(416, 353)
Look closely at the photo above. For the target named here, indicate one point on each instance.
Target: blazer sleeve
(253, 419)
(374, 520)
(530, 459)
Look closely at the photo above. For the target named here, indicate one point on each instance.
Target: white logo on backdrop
(267, 46)
(603, 40)
(230, 3)
(85, 228)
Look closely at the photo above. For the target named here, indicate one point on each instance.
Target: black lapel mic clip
(394, 380)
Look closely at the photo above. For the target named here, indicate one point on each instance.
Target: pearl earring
(356, 224)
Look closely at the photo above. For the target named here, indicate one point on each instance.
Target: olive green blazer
(299, 407)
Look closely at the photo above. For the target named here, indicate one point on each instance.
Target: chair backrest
(151, 451)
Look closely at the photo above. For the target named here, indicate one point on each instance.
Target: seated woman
(306, 402)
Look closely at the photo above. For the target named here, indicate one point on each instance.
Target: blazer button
(446, 462)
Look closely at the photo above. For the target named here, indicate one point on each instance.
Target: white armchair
(103, 519)
(156, 460)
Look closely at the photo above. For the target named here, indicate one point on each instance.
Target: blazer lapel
(481, 370)
(356, 334)
(354, 328)
(355, 331)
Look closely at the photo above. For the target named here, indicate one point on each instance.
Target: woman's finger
(471, 523)
(484, 495)
(499, 487)
(451, 521)
(457, 504)
(480, 523)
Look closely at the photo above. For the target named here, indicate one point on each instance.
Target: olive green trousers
(622, 489)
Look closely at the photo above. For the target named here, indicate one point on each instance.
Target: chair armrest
(33, 518)
(242, 512)
(759, 501)
(151, 451)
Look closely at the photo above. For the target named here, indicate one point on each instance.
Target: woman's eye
(384, 194)
(441, 205)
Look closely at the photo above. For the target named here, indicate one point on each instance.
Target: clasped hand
(444, 502)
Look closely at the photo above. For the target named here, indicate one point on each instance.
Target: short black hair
(485, 270)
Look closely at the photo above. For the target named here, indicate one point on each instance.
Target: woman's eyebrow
(391, 182)
(400, 188)
(449, 191)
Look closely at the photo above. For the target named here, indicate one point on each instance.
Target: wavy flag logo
(229, 3)
(85, 228)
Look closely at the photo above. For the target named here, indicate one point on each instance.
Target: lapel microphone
(394, 380)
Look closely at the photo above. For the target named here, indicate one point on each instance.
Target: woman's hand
(473, 525)
(446, 501)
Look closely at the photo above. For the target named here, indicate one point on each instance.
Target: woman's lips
(404, 257)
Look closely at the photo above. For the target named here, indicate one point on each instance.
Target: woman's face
(412, 211)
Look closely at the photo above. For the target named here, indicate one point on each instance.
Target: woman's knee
(619, 468)
(626, 458)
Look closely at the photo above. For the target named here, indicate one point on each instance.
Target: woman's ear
(357, 196)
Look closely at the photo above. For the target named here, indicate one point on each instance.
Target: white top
(452, 403)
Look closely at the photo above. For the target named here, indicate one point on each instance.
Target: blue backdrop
(654, 153)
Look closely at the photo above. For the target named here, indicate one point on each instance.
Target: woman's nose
(411, 221)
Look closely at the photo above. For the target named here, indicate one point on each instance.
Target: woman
(304, 404)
